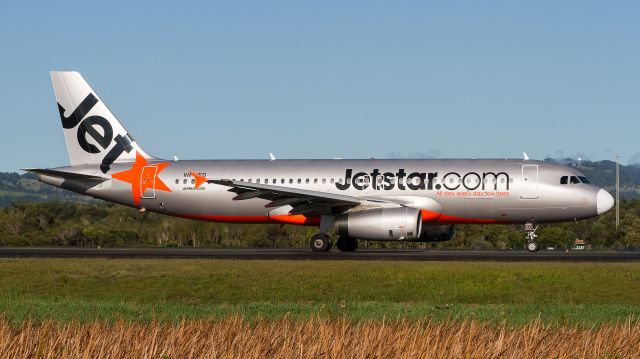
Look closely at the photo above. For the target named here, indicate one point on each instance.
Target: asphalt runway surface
(307, 254)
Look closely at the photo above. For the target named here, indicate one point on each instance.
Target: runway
(307, 254)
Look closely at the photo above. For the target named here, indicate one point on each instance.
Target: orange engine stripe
(285, 218)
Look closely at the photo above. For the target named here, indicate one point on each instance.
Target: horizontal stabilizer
(65, 175)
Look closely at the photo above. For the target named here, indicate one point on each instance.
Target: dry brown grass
(316, 338)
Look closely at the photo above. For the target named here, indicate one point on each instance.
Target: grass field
(233, 337)
(171, 290)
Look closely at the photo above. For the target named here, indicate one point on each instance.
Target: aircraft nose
(604, 201)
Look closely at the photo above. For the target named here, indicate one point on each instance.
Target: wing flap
(302, 201)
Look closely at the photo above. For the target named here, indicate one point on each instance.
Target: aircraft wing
(302, 201)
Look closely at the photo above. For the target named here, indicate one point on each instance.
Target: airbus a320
(371, 199)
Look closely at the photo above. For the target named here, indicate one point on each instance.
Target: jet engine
(437, 233)
(400, 223)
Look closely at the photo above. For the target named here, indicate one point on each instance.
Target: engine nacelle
(400, 223)
(437, 233)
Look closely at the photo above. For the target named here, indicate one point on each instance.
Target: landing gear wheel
(531, 236)
(346, 244)
(320, 243)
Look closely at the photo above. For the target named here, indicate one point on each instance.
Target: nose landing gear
(531, 237)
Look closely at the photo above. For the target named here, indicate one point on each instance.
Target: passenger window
(324, 180)
(258, 180)
(332, 181)
(307, 181)
(274, 181)
(299, 181)
(290, 180)
(564, 179)
(574, 180)
(184, 181)
(315, 180)
(177, 181)
(193, 181)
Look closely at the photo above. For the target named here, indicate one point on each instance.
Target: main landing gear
(531, 237)
(347, 244)
(320, 243)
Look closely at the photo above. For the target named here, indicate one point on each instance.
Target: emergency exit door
(148, 182)
(529, 182)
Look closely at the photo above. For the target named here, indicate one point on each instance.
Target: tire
(346, 244)
(320, 243)
(533, 246)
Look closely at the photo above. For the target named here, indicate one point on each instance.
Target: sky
(330, 79)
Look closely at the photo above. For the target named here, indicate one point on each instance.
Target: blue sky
(330, 78)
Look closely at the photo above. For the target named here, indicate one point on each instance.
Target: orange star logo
(143, 176)
(199, 179)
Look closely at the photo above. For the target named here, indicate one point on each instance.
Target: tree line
(108, 225)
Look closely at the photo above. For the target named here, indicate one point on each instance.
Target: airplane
(361, 199)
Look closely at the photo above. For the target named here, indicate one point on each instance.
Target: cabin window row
(380, 179)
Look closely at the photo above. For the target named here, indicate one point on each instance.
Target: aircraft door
(529, 182)
(148, 182)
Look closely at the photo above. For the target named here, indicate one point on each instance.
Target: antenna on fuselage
(526, 156)
(272, 157)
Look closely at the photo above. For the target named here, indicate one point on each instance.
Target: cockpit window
(584, 179)
(574, 180)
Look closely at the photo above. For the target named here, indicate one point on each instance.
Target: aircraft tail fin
(92, 133)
